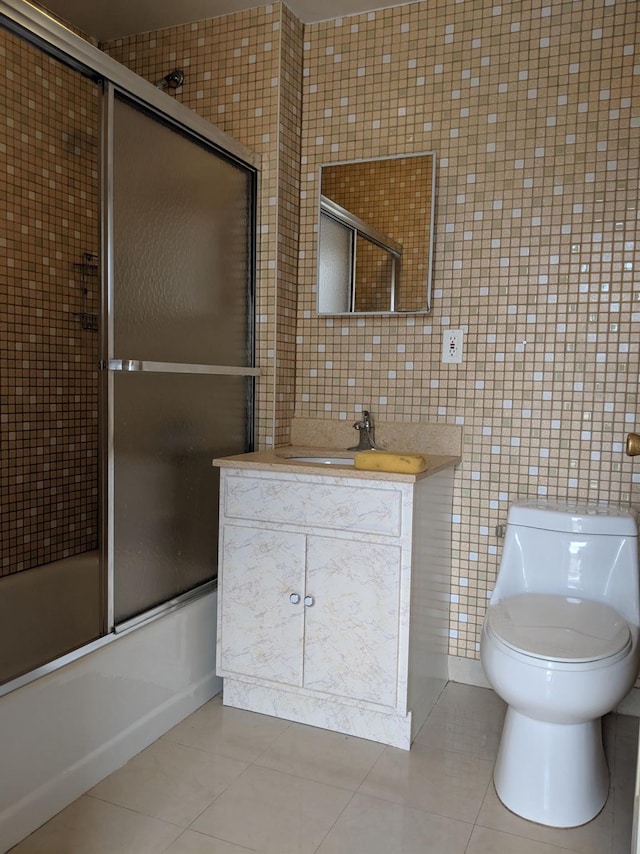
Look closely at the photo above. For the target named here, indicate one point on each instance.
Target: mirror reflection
(376, 235)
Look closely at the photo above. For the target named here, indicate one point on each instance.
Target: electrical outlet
(452, 346)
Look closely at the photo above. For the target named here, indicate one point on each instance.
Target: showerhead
(173, 80)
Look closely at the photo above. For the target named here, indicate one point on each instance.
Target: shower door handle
(147, 367)
(124, 365)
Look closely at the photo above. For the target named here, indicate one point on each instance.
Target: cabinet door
(261, 629)
(351, 629)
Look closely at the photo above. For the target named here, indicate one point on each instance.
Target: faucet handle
(365, 423)
(366, 441)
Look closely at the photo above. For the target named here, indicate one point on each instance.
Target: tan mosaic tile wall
(532, 108)
(242, 73)
(393, 196)
(373, 276)
(290, 119)
(48, 362)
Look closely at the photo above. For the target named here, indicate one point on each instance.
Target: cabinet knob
(309, 601)
(294, 598)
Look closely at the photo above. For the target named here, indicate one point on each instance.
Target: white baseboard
(468, 671)
(631, 703)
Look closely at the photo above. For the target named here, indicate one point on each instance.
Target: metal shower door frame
(110, 365)
(53, 38)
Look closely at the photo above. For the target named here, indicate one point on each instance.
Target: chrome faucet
(366, 440)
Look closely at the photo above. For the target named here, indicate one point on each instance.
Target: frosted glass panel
(51, 578)
(336, 251)
(182, 219)
(168, 428)
(181, 293)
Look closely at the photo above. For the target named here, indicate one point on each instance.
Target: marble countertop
(278, 460)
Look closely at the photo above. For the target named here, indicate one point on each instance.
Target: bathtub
(65, 731)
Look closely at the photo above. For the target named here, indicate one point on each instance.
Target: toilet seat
(559, 629)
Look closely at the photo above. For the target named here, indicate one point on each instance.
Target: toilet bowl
(560, 645)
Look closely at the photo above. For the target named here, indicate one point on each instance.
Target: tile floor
(226, 781)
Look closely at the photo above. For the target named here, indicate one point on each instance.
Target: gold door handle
(632, 448)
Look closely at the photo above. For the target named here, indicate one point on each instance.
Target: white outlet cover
(452, 346)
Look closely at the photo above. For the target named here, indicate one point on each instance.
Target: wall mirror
(375, 235)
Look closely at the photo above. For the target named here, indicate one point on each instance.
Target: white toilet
(560, 646)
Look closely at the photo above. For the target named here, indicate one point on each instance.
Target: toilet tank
(590, 552)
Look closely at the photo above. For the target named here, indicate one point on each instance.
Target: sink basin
(323, 460)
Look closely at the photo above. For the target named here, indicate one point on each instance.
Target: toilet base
(553, 774)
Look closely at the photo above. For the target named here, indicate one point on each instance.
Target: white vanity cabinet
(333, 597)
(294, 616)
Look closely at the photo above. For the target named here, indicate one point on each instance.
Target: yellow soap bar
(398, 463)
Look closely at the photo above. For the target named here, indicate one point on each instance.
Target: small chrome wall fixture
(87, 268)
(632, 447)
(173, 80)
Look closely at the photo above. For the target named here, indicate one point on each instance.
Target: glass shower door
(51, 585)
(179, 353)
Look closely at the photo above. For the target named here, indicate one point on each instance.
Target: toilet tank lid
(578, 519)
